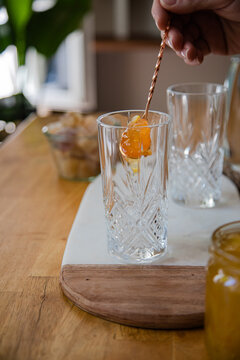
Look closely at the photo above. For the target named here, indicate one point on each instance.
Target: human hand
(200, 27)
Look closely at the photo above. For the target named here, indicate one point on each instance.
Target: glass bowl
(74, 143)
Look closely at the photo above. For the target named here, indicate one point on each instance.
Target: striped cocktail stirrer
(156, 70)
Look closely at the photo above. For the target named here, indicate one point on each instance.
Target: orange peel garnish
(136, 140)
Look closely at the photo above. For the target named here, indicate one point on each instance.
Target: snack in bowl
(74, 143)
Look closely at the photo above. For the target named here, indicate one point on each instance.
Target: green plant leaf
(19, 13)
(46, 30)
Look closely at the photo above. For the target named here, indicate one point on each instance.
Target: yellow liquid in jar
(222, 320)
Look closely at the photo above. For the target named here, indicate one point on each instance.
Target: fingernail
(195, 62)
(184, 53)
(157, 25)
(169, 42)
(169, 2)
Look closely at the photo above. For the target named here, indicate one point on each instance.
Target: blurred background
(85, 56)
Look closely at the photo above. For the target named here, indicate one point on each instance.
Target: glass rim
(179, 92)
(100, 118)
(215, 242)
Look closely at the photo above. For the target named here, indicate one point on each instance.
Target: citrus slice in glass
(136, 141)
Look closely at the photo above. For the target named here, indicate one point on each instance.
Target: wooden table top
(36, 320)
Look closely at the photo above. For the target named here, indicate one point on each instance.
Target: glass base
(203, 203)
(139, 257)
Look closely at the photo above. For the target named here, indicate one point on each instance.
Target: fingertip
(175, 39)
(190, 56)
(192, 53)
(195, 56)
(159, 23)
(159, 15)
(200, 56)
(189, 51)
(194, 61)
(168, 3)
(186, 6)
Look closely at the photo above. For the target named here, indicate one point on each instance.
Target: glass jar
(222, 317)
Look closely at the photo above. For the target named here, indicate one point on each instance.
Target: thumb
(189, 6)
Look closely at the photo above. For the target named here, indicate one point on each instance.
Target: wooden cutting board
(149, 296)
(168, 294)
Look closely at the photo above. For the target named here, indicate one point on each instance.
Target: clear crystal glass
(232, 144)
(135, 191)
(199, 119)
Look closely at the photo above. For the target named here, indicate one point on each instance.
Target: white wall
(123, 78)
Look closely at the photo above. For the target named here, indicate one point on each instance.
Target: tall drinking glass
(135, 189)
(199, 119)
(233, 128)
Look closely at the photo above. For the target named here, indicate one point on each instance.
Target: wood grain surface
(158, 297)
(36, 320)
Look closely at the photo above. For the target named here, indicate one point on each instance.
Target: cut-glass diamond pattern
(137, 221)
